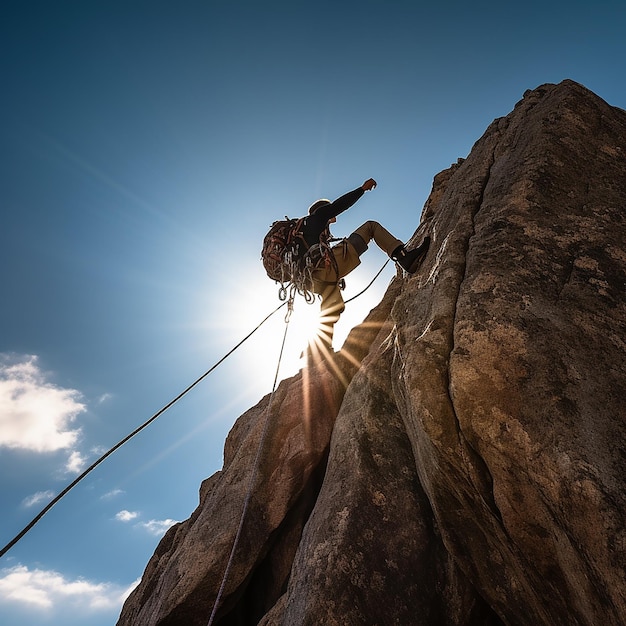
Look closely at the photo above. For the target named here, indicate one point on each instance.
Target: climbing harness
(289, 302)
(255, 470)
(298, 278)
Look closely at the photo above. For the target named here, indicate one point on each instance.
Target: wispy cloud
(105, 397)
(38, 498)
(154, 527)
(126, 516)
(35, 414)
(47, 589)
(157, 527)
(112, 494)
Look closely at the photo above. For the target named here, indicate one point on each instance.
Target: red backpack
(283, 249)
(288, 259)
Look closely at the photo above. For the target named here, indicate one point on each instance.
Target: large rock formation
(463, 461)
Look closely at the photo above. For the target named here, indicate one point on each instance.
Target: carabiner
(289, 310)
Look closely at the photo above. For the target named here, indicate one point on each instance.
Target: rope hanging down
(160, 412)
(255, 467)
(255, 470)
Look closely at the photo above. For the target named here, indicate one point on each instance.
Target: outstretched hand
(369, 184)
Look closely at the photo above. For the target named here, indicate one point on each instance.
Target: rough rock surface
(464, 460)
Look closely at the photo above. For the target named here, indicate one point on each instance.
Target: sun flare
(264, 347)
(251, 302)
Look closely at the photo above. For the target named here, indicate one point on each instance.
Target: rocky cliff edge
(462, 461)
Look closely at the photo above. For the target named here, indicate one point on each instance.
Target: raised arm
(343, 203)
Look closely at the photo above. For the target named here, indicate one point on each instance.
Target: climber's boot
(410, 260)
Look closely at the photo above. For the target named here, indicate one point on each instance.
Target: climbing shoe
(410, 260)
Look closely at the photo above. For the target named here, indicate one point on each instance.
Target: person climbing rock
(345, 255)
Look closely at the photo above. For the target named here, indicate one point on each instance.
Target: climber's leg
(331, 308)
(381, 236)
(409, 260)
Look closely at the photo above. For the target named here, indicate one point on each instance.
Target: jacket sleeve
(340, 204)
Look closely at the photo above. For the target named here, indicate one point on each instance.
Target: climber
(327, 278)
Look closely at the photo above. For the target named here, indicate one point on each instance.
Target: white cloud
(126, 516)
(157, 527)
(112, 494)
(105, 397)
(37, 498)
(75, 463)
(154, 527)
(35, 414)
(41, 589)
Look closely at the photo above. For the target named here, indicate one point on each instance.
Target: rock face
(462, 462)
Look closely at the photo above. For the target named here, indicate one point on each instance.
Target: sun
(301, 331)
(247, 310)
(255, 303)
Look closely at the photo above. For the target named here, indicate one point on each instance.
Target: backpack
(288, 260)
(282, 246)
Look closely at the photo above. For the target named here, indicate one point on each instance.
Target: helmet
(318, 204)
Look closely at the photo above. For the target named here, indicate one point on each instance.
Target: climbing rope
(129, 437)
(380, 271)
(160, 412)
(255, 471)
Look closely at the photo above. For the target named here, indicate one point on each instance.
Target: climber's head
(318, 204)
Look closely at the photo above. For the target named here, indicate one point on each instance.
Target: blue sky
(145, 148)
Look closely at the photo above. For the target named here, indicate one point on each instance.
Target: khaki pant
(346, 253)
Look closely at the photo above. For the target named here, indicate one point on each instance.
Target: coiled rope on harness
(160, 412)
(296, 273)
